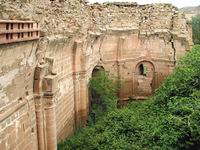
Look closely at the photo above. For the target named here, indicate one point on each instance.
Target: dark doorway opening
(95, 101)
(95, 97)
(142, 70)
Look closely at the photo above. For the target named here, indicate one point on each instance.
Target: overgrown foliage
(168, 121)
(196, 29)
(103, 91)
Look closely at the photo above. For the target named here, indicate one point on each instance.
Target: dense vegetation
(168, 121)
(196, 29)
(103, 89)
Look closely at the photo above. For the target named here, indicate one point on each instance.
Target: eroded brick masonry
(49, 49)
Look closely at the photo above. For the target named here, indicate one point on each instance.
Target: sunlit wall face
(178, 3)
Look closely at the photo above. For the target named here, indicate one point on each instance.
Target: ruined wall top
(64, 16)
(142, 17)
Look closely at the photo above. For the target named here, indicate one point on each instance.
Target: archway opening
(95, 97)
(95, 101)
(96, 70)
(144, 79)
(141, 70)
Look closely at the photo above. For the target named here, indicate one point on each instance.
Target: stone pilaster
(120, 49)
(40, 122)
(80, 85)
(50, 121)
(40, 72)
(45, 87)
(83, 109)
(50, 84)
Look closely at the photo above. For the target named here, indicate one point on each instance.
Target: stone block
(50, 84)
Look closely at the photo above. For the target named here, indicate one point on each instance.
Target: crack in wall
(101, 43)
(173, 47)
(172, 37)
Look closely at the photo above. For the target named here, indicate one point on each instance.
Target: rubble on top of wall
(53, 17)
(61, 17)
(123, 4)
(145, 17)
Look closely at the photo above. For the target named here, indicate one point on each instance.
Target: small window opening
(32, 25)
(18, 35)
(11, 26)
(11, 36)
(7, 26)
(31, 33)
(28, 25)
(7, 36)
(142, 70)
(22, 35)
(19, 26)
(22, 26)
(37, 33)
(28, 34)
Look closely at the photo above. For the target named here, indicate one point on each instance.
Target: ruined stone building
(49, 49)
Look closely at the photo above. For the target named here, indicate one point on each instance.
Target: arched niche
(96, 70)
(144, 79)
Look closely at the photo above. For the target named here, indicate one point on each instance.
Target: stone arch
(144, 79)
(96, 69)
(143, 66)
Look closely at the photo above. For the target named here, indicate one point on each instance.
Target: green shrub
(196, 29)
(104, 88)
(184, 80)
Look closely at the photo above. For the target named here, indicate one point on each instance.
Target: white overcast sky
(178, 3)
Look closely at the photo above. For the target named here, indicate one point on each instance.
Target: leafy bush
(168, 121)
(196, 29)
(185, 79)
(104, 88)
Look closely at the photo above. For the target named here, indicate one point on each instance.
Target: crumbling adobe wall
(17, 107)
(75, 38)
(158, 34)
(54, 19)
